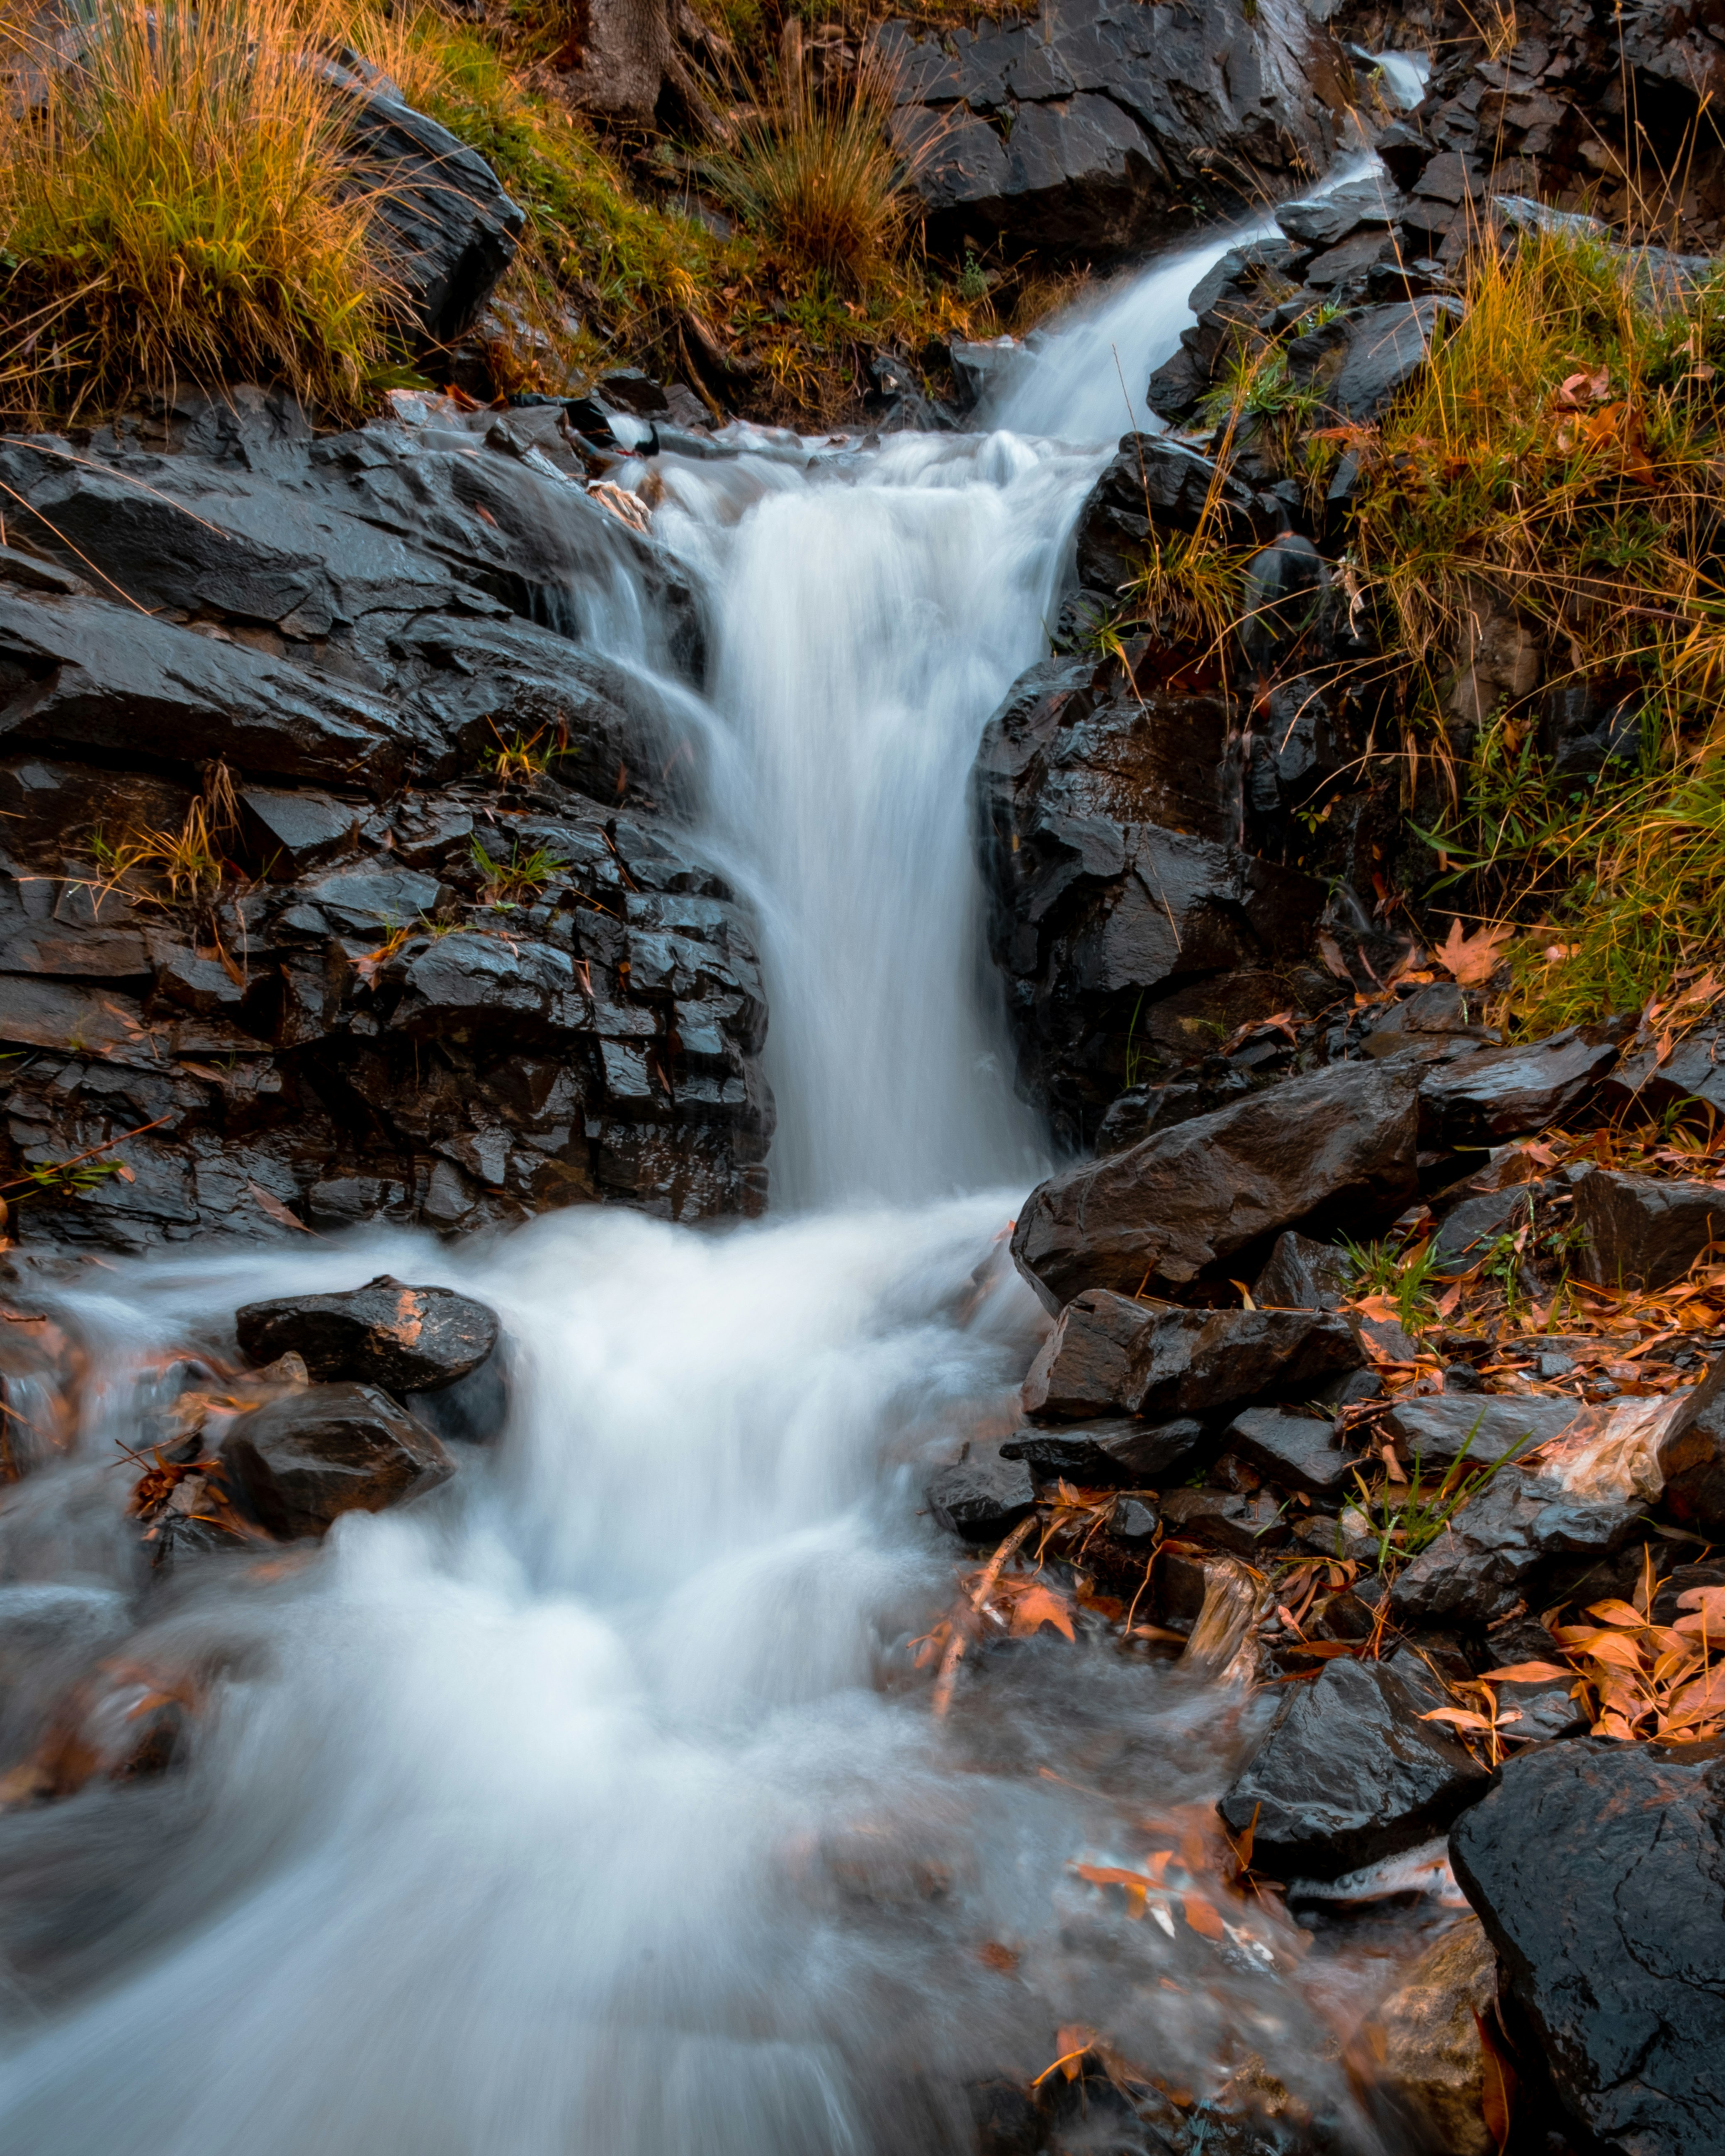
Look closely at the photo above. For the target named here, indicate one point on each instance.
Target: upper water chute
(867, 622)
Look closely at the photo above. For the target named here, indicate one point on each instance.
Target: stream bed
(594, 1806)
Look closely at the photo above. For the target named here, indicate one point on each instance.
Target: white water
(593, 1807)
(1089, 378)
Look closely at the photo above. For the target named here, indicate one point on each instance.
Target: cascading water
(594, 1807)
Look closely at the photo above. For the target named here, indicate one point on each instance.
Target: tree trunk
(618, 53)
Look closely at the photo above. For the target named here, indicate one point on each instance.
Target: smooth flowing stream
(594, 1807)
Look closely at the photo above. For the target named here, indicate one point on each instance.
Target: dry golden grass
(1559, 465)
(814, 173)
(174, 206)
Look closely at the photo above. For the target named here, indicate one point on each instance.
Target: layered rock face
(338, 866)
(1106, 125)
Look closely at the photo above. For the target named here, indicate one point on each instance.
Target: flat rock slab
(1115, 1452)
(301, 1460)
(1637, 1232)
(411, 1339)
(1499, 1093)
(1598, 1871)
(1348, 1774)
(1344, 1139)
(1489, 1426)
(1297, 1451)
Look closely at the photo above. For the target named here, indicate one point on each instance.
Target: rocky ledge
(342, 876)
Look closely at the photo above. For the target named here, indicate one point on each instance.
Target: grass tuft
(1556, 480)
(814, 173)
(173, 207)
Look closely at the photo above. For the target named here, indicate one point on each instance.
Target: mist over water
(593, 1806)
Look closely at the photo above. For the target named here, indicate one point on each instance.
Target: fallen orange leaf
(1471, 960)
(1038, 1606)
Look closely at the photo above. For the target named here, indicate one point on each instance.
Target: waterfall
(594, 1807)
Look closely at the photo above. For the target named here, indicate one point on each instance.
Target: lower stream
(595, 1806)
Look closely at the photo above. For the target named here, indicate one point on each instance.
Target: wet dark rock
(301, 1460)
(1637, 1232)
(1348, 1774)
(1491, 1426)
(1155, 484)
(1499, 1093)
(1284, 589)
(1240, 1524)
(1667, 1607)
(411, 1339)
(1095, 1359)
(89, 673)
(298, 830)
(983, 368)
(1351, 1387)
(1241, 292)
(1125, 917)
(1643, 1086)
(1116, 1449)
(1467, 1231)
(1140, 1109)
(1610, 1958)
(1135, 1520)
(450, 228)
(982, 1497)
(368, 1027)
(1296, 1452)
(1082, 134)
(1359, 364)
(1303, 1275)
(1437, 1011)
(1483, 1561)
(1324, 220)
(1340, 1143)
(1121, 1449)
(1200, 1361)
(1691, 1457)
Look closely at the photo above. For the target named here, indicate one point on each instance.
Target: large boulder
(1485, 1558)
(301, 1460)
(1599, 1872)
(409, 1339)
(451, 230)
(1105, 126)
(1348, 1772)
(1339, 1145)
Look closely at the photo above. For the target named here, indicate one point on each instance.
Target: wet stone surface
(401, 981)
